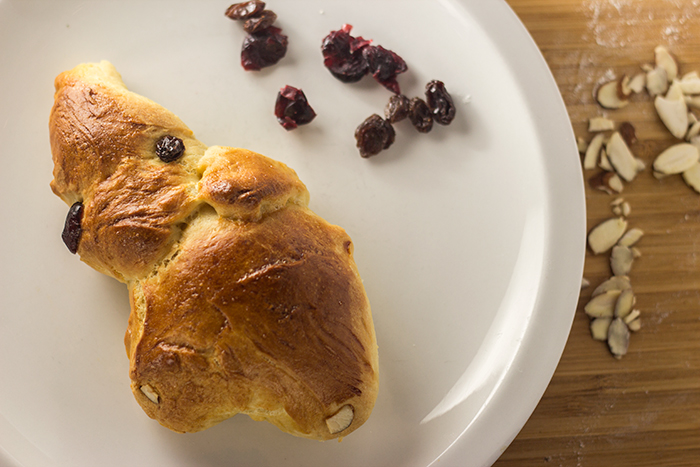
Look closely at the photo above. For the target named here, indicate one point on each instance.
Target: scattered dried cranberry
(169, 148)
(245, 10)
(263, 49)
(397, 108)
(292, 108)
(440, 102)
(384, 65)
(72, 229)
(260, 22)
(342, 55)
(373, 135)
(420, 115)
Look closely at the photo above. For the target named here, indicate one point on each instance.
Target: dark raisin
(170, 148)
(342, 55)
(440, 102)
(420, 115)
(397, 108)
(373, 135)
(72, 229)
(292, 108)
(258, 23)
(263, 49)
(628, 133)
(245, 10)
(384, 65)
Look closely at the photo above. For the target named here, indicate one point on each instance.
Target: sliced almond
(665, 60)
(691, 177)
(618, 338)
(341, 420)
(636, 252)
(605, 161)
(599, 328)
(603, 305)
(621, 260)
(608, 97)
(631, 316)
(674, 114)
(690, 76)
(635, 325)
(693, 101)
(623, 87)
(149, 392)
(631, 237)
(585, 283)
(692, 118)
(608, 182)
(596, 124)
(617, 210)
(590, 160)
(659, 175)
(617, 201)
(690, 85)
(647, 67)
(693, 131)
(624, 304)
(606, 234)
(582, 145)
(675, 91)
(621, 158)
(618, 283)
(626, 209)
(677, 159)
(638, 82)
(657, 81)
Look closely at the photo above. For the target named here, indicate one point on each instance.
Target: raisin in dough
(242, 299)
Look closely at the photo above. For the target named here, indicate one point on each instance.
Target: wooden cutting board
(644, 409)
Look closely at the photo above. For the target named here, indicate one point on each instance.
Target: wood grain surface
(644, 409)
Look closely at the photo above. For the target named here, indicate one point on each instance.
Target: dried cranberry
(245, 10)
(263, 49)
(440, 102)
(258, 23)
(72, 229)
(384, 65)
(292, 108)
(397, 108)
(420, 115)
(342, 55)
(169, 148)
(373, 135)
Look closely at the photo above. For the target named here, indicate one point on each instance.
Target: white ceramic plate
(470, 239)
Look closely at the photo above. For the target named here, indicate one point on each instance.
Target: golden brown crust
(243, 300)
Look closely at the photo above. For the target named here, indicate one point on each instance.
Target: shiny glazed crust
(242, 299)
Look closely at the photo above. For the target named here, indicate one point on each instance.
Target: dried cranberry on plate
(342, 55)
(264, 48)
(292, 108)
(384, 65)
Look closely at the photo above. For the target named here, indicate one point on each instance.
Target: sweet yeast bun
(242, 299)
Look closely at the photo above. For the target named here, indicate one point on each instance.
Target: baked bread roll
(242, 299)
